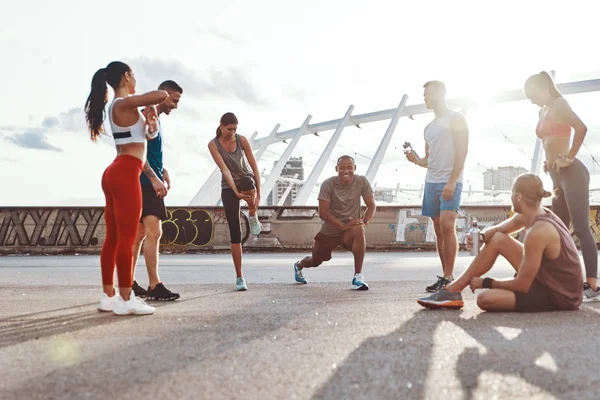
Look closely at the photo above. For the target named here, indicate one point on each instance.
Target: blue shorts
(434, 204)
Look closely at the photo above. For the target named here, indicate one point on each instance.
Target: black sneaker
(440, 284)
(138, 290)
(161, 293)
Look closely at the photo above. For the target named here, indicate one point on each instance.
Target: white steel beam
(267, 187)
(265, 144)
(385, 141)
(320, 165)
(289, 188)
(591, 85)
(536, 162)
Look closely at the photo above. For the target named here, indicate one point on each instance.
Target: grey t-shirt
(345, 200)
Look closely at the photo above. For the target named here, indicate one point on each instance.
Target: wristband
(366, 221)
(487, 283)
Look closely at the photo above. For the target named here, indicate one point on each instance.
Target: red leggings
(121, 186)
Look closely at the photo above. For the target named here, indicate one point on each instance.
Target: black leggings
(572, 204)
(231, 204)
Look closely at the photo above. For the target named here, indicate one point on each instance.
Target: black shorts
(538, 299)
(152, 205)
(246, 184)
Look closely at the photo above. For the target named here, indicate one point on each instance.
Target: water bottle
(474, 233)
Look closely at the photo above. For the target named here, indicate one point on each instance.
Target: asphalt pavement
(281, 340)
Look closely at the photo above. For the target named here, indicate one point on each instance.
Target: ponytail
(219, 131)
(95, 103)
(543, 194)
(550, 83)
(543, 79)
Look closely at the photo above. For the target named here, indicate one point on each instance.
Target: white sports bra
(135, 133)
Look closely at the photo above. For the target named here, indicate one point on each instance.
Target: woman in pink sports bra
(569, 175)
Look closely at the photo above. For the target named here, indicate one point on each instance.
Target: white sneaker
(255, 226)
(108, 303)
(135, 306)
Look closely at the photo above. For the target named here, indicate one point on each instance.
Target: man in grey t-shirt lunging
(339, 208)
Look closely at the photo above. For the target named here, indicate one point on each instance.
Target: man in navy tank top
(153, 209)
(548, 275)
(446, 146)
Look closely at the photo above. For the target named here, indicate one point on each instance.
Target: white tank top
(135, 133)
(440, 138)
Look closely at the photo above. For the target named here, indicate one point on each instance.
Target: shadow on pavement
(20, 331)
(397, 365)
(170, 348)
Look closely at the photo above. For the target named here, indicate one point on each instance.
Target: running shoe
(590, 294)
(255, 226)
(161, 293)
(298, 273)
(358, 282)
(138, 290)
(133, 306)
(441, 283)
(241, 284)
(442, 299)
(108, 303)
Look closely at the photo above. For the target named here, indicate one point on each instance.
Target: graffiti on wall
(186, 227)
(50, 227)
(61, 229)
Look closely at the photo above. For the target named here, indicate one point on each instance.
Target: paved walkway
(280, 340)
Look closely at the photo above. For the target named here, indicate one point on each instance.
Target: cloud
(72, 120)
(50, 122)
(33, 138)
(216, 82)
(218, 34)
(36, 137)
(294, 93)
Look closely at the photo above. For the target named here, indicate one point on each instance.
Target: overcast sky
(276, 62)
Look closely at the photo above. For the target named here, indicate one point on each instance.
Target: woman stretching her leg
(120, 181)
(570, 177)
(232, 154)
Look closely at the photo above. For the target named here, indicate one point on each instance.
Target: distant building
(501, 178)
(293, 166)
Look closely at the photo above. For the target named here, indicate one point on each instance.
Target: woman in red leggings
(120, 181)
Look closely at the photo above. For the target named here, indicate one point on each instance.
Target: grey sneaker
(442, 299)
(590, 294)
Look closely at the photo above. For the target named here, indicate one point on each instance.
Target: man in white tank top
(446, 146)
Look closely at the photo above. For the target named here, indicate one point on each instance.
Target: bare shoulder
(458, 118)
(561, 106)
(542, 232)
(212, 144)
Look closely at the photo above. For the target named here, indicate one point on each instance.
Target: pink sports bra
(547, 128)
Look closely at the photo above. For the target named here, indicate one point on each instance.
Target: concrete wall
(82, 230)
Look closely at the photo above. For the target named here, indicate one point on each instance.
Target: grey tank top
(439, 137)
(236, 162)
